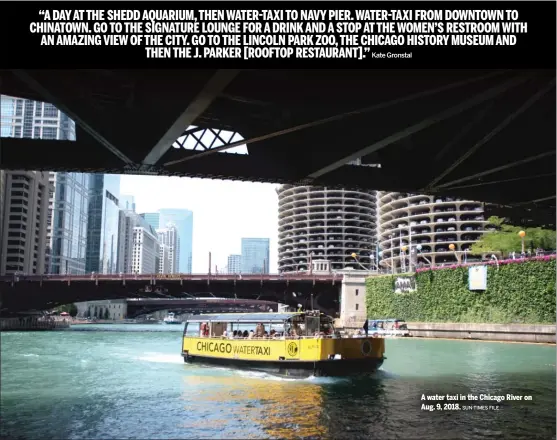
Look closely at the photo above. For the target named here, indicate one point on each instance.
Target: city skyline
(85, 214)
(225, 211)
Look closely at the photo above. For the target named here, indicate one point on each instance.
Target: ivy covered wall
(516, 293)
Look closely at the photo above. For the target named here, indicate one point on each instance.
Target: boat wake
(161, 358)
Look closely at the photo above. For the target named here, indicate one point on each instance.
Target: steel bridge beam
(33, 84)
(500, 127)
(422, 125)
(220, 80)
(369, 109)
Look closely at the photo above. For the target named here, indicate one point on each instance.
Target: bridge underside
(143, 307)
(480, 135)
(24, 296)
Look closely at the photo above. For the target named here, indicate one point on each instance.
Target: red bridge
(40, 292)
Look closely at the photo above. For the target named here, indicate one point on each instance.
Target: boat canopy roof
(244, 317)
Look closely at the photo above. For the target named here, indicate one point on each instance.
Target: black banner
(278, 35)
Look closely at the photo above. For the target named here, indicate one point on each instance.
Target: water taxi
(293, 344)
(171, 319)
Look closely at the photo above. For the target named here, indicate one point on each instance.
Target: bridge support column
(353, 311)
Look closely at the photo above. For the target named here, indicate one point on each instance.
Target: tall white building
(169, 237)
(24, 223)
(234, 264)
(164, 259)
(127, 220)
(145, 254)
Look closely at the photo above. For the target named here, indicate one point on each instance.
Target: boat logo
(366, 347)
(292, 349)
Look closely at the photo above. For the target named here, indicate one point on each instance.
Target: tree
(504, 238)
(71, 309)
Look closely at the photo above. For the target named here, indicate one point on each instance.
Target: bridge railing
(171, 277)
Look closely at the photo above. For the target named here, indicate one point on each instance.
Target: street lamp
(418, 252)
(355, 256)
(452, 247)
(392, 254)
(403, 250)
(522, 234)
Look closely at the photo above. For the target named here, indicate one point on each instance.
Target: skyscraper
(183, 220)
(68, 192)
(127, 221)
(24, 118)
(127, 202)
(255, 255)
(318, 223)
(102, 230)
(68, 214)
(23, 240)
(171, 240)
(153, 218)
(145, 255)
(427, 226)
(234, 264)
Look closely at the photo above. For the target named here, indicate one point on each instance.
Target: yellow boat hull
(290, 357)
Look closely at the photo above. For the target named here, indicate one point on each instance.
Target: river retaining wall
(32, 324)
(541, 333)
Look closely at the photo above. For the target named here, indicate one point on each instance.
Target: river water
(129, 381)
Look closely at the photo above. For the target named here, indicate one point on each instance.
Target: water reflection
(276, 408)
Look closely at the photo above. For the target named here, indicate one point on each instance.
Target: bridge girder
(300, 127)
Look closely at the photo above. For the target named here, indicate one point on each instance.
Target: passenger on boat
(259, 330)
(251, 334)
(225, 334)
(245, 334)
(293, 333)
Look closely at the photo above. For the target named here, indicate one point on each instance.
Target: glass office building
(255, 255)
(66, 235)
(183, 220)
(102, 230)
(152, 218)
(69, 223)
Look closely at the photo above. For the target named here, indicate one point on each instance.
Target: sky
(223, 212)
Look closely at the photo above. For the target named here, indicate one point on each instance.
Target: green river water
(129, 381)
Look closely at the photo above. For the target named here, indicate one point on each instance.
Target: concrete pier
(541, 333)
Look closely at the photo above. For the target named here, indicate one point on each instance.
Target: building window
(19, 108)
(357, 306)
(357, 291)
(50, 111)
(49, 132)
